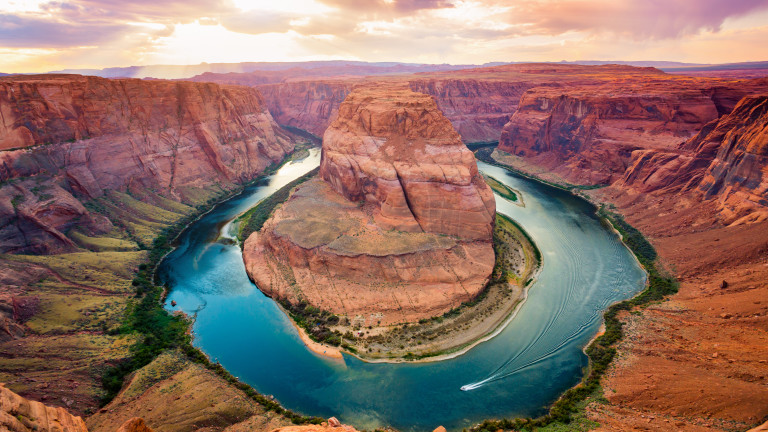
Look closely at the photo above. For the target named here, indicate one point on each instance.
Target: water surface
(518, 373)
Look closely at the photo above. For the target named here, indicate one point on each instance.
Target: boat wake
(547, 343)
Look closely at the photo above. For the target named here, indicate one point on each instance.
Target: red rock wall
(587, 133)
(308, 105)
(393, 148)
(726, 160)
(478, 109)
(22, 415)
(588, 137)
(80, 136)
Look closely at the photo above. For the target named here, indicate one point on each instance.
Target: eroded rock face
(726, 160)
(76, 137)
(398, 227)
(333, 425)
(395, 149)
(135, 424)
(587, 133)
(477, 108)
(308, 105)
(18, 414)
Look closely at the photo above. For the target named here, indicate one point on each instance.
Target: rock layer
(586, 134)
(18, 414)
(77, 137)
(397, 229)
(308, 105)
(395, 149)
(726, 160)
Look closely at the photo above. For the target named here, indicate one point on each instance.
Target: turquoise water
(518, 373)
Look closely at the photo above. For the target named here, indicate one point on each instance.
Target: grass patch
(61, 313)
(101, 244)
(500, 188)
(252, 220)
(111, 271)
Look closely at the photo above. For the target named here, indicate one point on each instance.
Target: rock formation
(399, 227)
(394, 149)
(726, 160)
(332, 425)
(308, 105)
(478, 102)
(76, 137)
(135, 424)
(586, 134)
(18, 414)
(477, 108)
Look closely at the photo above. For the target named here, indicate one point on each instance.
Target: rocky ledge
(399, 226)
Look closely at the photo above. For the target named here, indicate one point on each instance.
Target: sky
(40, 36)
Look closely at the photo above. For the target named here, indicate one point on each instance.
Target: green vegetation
(110, 271)
(631, 236)
(252, 220)
(569, 409)
(101, 244)
(156, 330)
(484, 155)
(315, 321)
(16, 200)
(500, 188)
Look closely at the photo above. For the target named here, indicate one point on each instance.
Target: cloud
(645, 19)
(131, 31)
(258, 22)
(44, 32)
(170, 11)
(379, 6)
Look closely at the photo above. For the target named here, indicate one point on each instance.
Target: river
(517, 373)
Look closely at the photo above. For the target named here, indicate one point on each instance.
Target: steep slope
(693, 362)
(308, 105)
(394, 149)
(586, 134)
(726, 161)
(78, 137)
(478, 109)
(102, 169)
(400, 203)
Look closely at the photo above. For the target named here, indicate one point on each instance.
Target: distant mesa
(397, 228)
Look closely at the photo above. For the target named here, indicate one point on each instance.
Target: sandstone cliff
(22, 415)
(691, 361)
(725, 160)
(70, 139)
(395, 149)
(399, 229)
(477, 108)
(586, 134)
(308, 105)
(478, 102)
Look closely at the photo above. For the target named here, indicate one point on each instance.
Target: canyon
(68, 140)
(399, 201)
(94, 169)
(93, 172)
